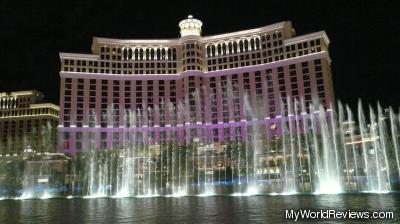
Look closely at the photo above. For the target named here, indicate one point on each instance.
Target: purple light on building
(211, 88)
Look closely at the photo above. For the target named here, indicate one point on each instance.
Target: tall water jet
(384, 147)
(343, 146)
(252, 147)
(395, 140)
(328, 180)
(306, 133)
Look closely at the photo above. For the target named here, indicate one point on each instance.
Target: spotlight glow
(46, 195)
(329, 187)
(376, 192)
(147, 195)
(95, 196)
(288, 193)
(122, 194)
(180, 193)
(25, 195)
(206, 194)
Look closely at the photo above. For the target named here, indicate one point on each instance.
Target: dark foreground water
(214, 209)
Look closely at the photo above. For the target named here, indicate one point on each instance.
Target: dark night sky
(364, 37)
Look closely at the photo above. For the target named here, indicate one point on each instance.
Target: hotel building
(204, 88)
(26, 121)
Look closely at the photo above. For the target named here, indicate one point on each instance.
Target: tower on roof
(190, 27)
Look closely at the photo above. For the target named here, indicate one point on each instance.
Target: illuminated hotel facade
(26, 121)
(202, 88)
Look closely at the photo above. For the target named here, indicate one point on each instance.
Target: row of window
(147, 101)
(267, 56)
(222, 56)
(244, 45)
(28, 112)
(138, 53)
(123, 68)
(25, 128)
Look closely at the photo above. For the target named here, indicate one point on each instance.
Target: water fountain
(321, 151)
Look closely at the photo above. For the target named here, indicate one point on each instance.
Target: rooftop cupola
(190, 27)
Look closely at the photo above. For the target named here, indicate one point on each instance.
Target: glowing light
(190, 26)
(376, 192)
(252, 190)
(122, 194)
(25, 195)
(206, 194)
(46, 195)
(96, 196)
(329, 187)
(363, 140)
(288, 193)
(237, 194)
(147, 195)
(180, 193)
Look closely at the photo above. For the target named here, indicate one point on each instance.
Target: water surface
(214, 209)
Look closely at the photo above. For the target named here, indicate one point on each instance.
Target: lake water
(213, 209)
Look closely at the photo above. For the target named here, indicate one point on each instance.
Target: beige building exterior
(25, 121)
(192, 87)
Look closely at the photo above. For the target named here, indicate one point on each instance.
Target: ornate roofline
(176, 41)
(44, 105)
(312, 56)
(101, 40)
(64, 55)
(269, 65)
(307, 37)
(245, 32)
(20, 93)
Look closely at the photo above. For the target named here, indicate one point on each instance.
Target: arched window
(208, 51)
(224, 49)
(125, 54)
(230, 47)
(246, 45)
(252, 44)
(219, 49)
(147, 54)
(136, 54)
(213, 50)
(169, 54)
(174, 54)
(257, 43)
(141, 54)
(235, 47)
(163, 53)
(129, 56)
(152, 54)
(241, 45)
(158, 54)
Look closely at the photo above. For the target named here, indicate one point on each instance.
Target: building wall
(24, 121)
(213, 88)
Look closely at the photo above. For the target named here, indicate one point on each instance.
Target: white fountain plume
(328, 183)
(394, 132)
(343, 145)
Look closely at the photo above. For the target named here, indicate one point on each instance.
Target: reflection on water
(215, 209)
